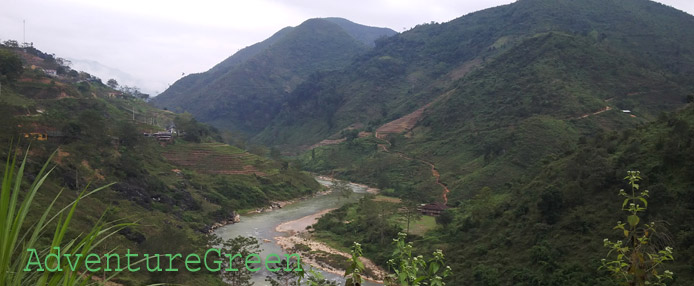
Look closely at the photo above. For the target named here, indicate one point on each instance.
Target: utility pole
(133, 107)
(24, 40)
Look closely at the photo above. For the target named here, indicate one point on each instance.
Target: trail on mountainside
(434, 171)
(607, 108)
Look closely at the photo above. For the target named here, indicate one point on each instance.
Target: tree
(638, 257)
(10, 65)
(283, 278)
(350, 134)
(241, 245)
(342, 188)
(128, 135)
(551, 204)
(275, 153)
(445, 218)
(376, 214)
(9, 122)
(191, 129)
(11, 44)
(112, 83)
(410, 212)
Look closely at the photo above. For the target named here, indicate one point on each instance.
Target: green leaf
(433, 268)
(633, 220)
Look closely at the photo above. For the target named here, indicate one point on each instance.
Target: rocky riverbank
(317, 253)
(280, 204)
(235, 218)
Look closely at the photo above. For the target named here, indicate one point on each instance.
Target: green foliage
(551, 204)
(342, 188)
(112, 83)
(363, 161)
(522, 75)
(10, 65)
(371, 223)
(410, 270)
(193, 131)
(100, 142)
(244, 246)
(411, 213)
(356, 268)
(17, 237)
(637, 259)
(306, 277)
(350, 134)
(445, 218)
(502, 236)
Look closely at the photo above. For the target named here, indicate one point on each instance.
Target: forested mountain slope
(173, 189)
(411, 69)
(244, 92)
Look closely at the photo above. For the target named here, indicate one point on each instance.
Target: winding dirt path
(434, 171)
(607, 108)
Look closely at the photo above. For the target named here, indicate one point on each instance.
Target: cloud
(156, 40)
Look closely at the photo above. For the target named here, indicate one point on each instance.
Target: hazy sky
(157, 41)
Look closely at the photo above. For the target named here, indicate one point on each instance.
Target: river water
(262, 225)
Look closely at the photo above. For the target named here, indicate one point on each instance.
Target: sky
(152, 43)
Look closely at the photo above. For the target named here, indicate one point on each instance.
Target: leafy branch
(635, 260)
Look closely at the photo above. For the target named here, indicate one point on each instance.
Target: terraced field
(213, 158)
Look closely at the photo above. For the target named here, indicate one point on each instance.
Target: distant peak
(362, 33)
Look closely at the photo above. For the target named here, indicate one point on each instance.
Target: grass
(382, 198)
(421, 226)
(331, 239)
(12, 98)
(16, 238)
(217, 158)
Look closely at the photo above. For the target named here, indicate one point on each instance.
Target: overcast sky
(154, 42)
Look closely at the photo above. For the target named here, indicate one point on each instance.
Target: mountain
(530, 114)
(245, 91)
(487, 96)
(407, 71)
(174, 189)
(543, 229)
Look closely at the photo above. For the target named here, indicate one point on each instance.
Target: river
(262, 225)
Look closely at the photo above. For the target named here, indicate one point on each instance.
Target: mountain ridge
(432, 50)
(248, 88)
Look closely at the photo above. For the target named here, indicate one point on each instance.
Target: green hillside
(174, 190)
(553, 224)
(243, 93)
(533, 113)
(517, 123)
(548, 229)
(411, 69)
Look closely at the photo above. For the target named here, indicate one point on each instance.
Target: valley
(490, 149)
